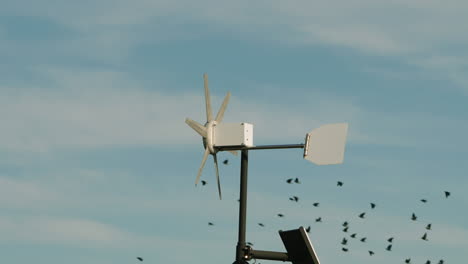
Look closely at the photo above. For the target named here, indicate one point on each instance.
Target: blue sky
(98, 166)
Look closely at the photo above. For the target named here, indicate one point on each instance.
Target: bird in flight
(345, 229)
(361, 215)
(295, 198)
(318, 219)
(211, 224)
(441, 261)
(297, 180)
(260, 224)
(353, 235)
(344, 241)
(316, 204)
(140, 259)
(280, 215)
(289, 180)
(372, 205)
(344, 249)
(424, 237)
(363, 239)
(408, 260)
(447, 194)
(390, 240)
(428, 227)
(249, 243)
(423, 200)
(226, 162)
(203, 183)
(414, 217)
(345, 224)
(308, 229)
(339, 183)
(371, 253)
(389, 247)
(428, 262)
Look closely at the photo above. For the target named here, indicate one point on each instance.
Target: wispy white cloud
(108, 31)
(85, 109)
(52, 230)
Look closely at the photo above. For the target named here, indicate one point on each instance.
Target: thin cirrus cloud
(88, 109)
(109, 31)
(370, 26)
(98, 109)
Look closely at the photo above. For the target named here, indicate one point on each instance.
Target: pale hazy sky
(97, 165)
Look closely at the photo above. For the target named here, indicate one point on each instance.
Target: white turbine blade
(327, 144)
(205, 156)
(201, 130)
(233, 152)
(219, 116)
(217, 175)
(209, 112)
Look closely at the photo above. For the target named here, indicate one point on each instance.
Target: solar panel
(299, 247)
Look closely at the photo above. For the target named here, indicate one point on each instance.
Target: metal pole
(242, 207)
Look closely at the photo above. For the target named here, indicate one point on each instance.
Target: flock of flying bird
(345, 225)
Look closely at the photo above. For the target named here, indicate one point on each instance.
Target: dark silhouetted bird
(424, 237)
(203, 183)
(363, 239)
(316, 204)
(372, 205)
(318, 219)
(346, 229)
(297, 180)
(408, 260)
(390, 240)
(441, 261)
(291, 199)
(280, 215)
(414, 217)
(289, 180)
(344, 249)
(353, 235)
(389, 247)
(295, 198)
(308, 229)
(447, 194)
(140, 259)
(371, 253)
(424, 200)
(226, 162)
(249, 243)
(260, 224)
(428, 262)
(211, 224)
(339, 183)
(361, 215)
(428, 227)
(344, 241)
(345, 224)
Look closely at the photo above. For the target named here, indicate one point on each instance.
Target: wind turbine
(324, 145)
(207, 131)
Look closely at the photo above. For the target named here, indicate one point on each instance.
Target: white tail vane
(206, 131)
(326, 145)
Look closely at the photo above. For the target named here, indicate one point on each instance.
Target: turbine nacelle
(208, 142)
